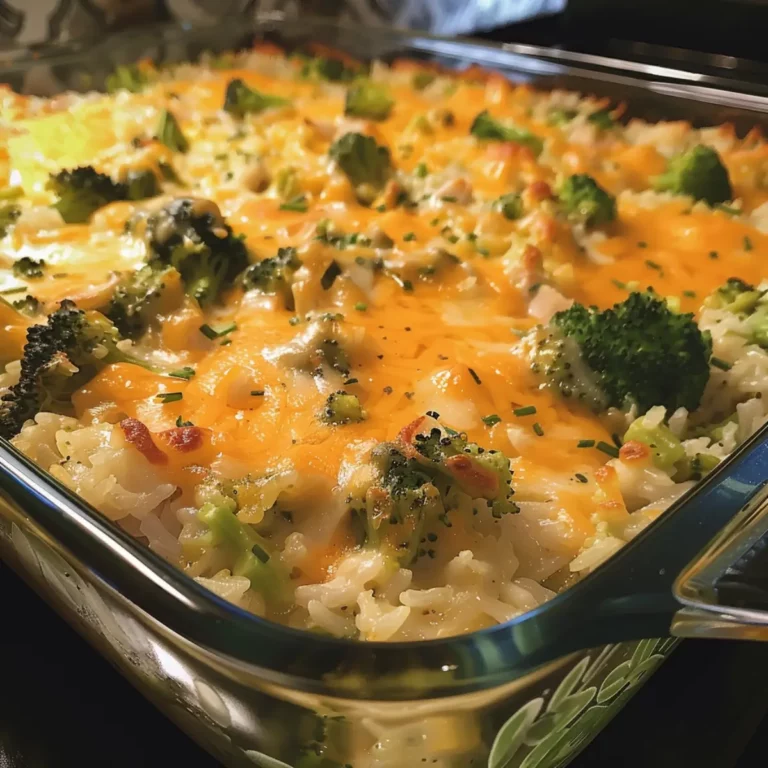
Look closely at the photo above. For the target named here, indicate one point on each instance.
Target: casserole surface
(314, 438)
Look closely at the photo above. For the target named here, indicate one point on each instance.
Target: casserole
(461, 688)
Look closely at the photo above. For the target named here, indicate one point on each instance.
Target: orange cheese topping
(438, 328)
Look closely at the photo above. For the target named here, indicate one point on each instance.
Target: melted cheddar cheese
(428, 290)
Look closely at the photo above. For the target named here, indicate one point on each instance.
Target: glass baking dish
(531, 692)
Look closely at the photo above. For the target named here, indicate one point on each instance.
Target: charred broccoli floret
(342, 408)
(698, 173)
(29, 306)
(190, 235)
(169, 133)
(366, 164)
(369, 100)
(639, 352)
(273, 275)
(748, 303)
(82, 191)
(487, 128)
(59, 357)
(8, 215)
(585, 201)
(135, 300)
(27, 268)
(240, 100)
(511, 205)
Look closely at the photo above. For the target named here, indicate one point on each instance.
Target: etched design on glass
(549, 734)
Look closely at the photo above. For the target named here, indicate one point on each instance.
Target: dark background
(62, 706)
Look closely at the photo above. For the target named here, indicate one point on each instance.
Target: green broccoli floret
(698, 173)
(135, 301)
(342, 408)
(251, 554)
(585, 201)
(750, 304)
(488, 128)
(603, 119)
(240, 100)
(396, 511)
(558, 116)
(369, 100)
(190, 235)
(273, 275)
(84, 190)
(324, 68)
(511, 205)
(59, 357)
(169, 133)
(415, 491)
(637, 352)
(27, 268)
(366, 164)
(29, 306)
(127, 78)
(8, 215)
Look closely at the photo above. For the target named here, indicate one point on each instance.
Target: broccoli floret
(639, 351)
(191, 235)
(416, 489)
(135, 301)
(140, 185)
(81, 192)
(273, 275)
(8, 215)
(29, 306)
(558, 116)
(127, 78)
(366, 164)
(488, 128)
(251, 554)
(510, 205)
(698, 173)
(169, 133)
(750, 304)
(342, 408)
(84, 190)
(59, 357)
(240, 100)
(603, 119)
(27, 268)
(367, 99)
(585, 201)
(324, 68)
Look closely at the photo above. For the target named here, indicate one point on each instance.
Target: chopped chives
(616, 440)
(585, 444)
(213, 333)
(619, 284)
(689, 294)
(361, 306)
(181, 423)
(526, 410)
(491, 419)
(170, 397)
(183, 373)
(448, 199)
(723, 365)
(747, 243)
(611, 450)
(350, 381)
(421, 170)
(652, 264)
(257, 393)
(538, 430)
(408, 236)
(714, 255)
(581, 478)
(474, 376)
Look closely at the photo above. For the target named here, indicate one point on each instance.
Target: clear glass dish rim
(461, 663)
